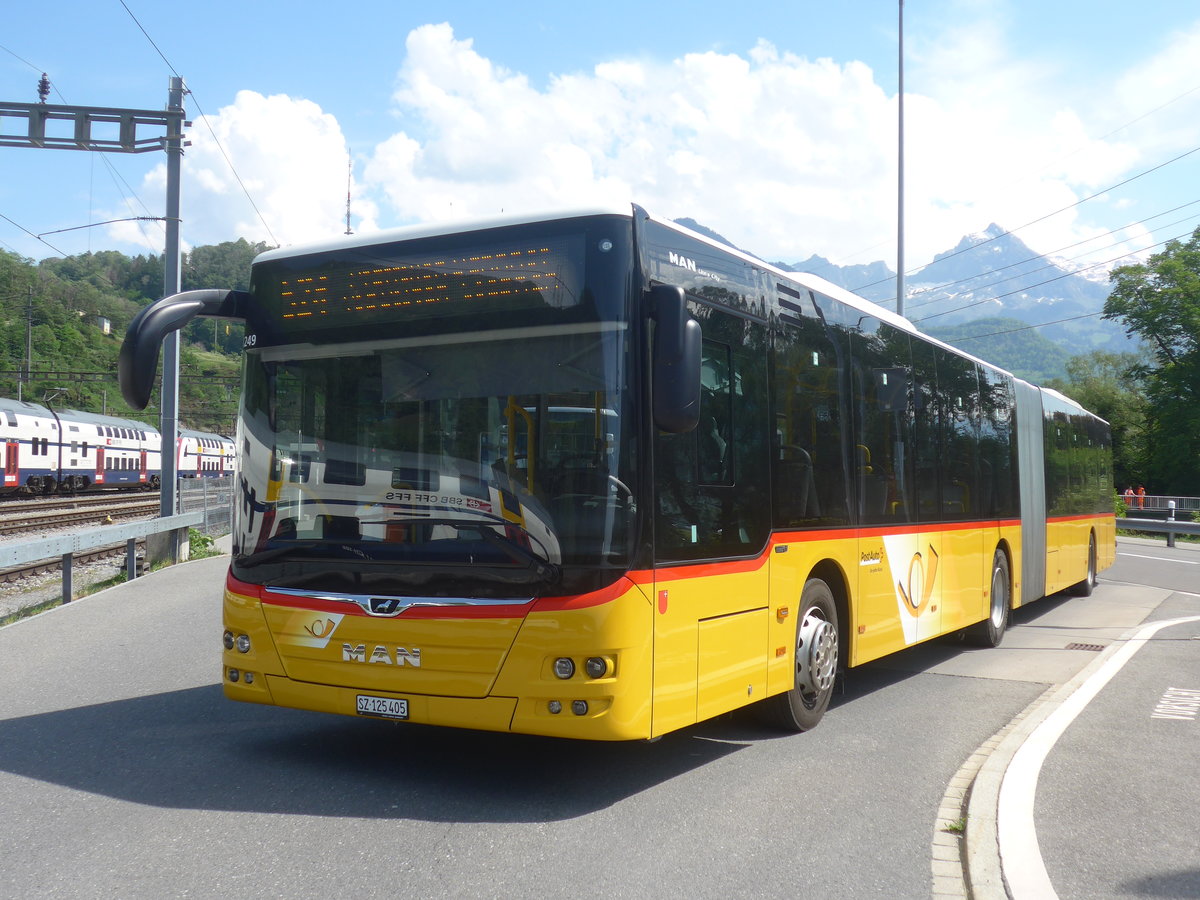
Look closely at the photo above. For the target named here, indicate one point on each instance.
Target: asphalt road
(125, 773)
(1117, 796)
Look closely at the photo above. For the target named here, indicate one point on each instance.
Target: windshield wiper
(541, 566)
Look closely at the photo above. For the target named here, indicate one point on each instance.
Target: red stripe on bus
(1085, 517)
(501, 611)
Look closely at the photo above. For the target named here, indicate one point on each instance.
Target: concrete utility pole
(78, 136)
(169, 395)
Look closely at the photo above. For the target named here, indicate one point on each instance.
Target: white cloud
(786, 156)
(1165, 80)
(292, 159)
(769, 148)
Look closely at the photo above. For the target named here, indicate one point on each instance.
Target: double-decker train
(46, 451)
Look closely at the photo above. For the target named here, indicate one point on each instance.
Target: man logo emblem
(385, 606)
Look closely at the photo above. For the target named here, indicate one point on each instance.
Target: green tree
(1159, 301)
(224, 265)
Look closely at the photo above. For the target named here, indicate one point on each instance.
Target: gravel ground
(37, 589)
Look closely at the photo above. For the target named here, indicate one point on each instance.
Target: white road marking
(1020, 855)
(1186, 562)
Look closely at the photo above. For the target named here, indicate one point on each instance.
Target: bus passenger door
(711, 526)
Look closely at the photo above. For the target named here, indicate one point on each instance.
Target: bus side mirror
(676, 361)
(138, 361)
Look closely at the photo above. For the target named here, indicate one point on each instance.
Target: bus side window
(810, 479)
(883, 422)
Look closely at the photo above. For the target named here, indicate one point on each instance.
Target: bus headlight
(227, 640)
(596, 667)
(564, 667)
(242, 643)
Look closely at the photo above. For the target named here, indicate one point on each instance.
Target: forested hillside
(64, 304)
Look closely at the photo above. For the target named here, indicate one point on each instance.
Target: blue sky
(774, 124)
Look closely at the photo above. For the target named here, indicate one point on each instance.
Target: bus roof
(437, 229)
(628, 210)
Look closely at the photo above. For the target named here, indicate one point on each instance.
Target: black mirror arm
(138, 361)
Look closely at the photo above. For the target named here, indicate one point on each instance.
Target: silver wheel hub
(816, 654)
(999, 598)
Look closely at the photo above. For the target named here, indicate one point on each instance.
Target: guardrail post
(67, 589)
(131, 559)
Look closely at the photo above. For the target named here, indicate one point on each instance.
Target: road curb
(983, 867)
(957, 808)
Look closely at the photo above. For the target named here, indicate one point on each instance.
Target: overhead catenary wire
(31, 234)
(1048, 265)
(1048, 215)
(1118, 129)
(1029, 287)
(207, 124)
(117, 178)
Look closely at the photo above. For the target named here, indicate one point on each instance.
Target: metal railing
(211, 496)
(1161, 504)
(1169, 526)
(66, 546)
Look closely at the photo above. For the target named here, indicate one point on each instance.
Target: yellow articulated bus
(596, 476)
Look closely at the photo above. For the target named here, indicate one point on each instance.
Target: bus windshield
(494, 462)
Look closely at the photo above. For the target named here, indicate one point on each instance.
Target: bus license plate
(383, 707)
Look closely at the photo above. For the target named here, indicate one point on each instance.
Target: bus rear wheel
(990, 632)
(1085, 587)
(801, 708)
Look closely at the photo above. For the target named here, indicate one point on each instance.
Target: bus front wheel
(801, 708)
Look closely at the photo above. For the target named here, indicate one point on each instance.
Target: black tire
(816, 659)
(990, 632)
(1085, 587)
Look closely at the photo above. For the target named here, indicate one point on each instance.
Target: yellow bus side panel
(916, 585)
(965, 567)
(730, 656)
(686, 596)
(1067, 549)
(1106, 542)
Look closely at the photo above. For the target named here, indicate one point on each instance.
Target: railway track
(30, 518)
(25, 519)
(45, 566)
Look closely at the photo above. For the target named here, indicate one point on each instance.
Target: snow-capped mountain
(987, 275)
(993, 297)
